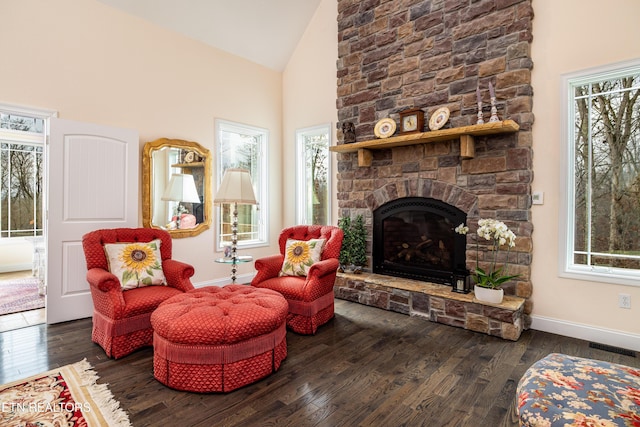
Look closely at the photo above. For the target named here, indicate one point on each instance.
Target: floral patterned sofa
(561, 390)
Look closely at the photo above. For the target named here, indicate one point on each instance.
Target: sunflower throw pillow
(136, 264)
(299, 256)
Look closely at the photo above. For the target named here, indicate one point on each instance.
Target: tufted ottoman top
(219, 315)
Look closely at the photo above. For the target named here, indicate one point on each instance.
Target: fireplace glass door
(415, 238)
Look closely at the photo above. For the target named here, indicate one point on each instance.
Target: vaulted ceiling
(262, 31)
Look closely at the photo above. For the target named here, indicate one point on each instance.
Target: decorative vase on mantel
(493, 296)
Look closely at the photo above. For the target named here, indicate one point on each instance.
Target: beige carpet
(66, 396)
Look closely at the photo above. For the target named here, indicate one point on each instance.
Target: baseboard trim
(16, 267)
(612, 337)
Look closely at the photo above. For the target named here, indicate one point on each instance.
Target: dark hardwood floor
(367, 367)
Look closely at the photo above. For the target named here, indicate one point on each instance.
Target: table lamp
(181, 188)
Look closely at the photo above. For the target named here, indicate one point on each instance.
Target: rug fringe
(114, 414)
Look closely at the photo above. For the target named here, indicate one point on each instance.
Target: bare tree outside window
(313, 176)
(21, 176)
(606, 173)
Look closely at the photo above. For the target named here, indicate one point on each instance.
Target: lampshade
(236, 188)
(181, 188)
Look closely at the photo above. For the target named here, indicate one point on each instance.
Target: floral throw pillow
(136, 264)
(299, 256)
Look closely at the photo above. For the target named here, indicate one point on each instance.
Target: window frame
(301, 196)
(260, 184)
(32, 138)
(567, 266)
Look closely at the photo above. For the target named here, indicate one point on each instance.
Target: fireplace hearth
(414, 238)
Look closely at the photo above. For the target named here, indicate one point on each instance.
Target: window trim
(261, 183)
(300, 171)
(566, 267)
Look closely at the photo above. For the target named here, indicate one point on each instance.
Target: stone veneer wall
(400, 54)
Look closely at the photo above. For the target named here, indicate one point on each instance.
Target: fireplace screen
(414, 237)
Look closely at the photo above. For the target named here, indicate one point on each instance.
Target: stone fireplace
(401, 54)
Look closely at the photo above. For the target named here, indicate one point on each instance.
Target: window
(242, 146)
(313, 176)
(22, 172)
(603, 180)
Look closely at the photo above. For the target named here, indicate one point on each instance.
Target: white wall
(16, 255)
(93, 63)
(568, 36)
(309, 97)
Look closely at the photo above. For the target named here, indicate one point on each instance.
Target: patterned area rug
(66, 396)
(19, 295)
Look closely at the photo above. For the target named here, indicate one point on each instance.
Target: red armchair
(122, 319)
(310, 298)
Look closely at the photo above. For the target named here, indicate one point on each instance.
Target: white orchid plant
(499, 235)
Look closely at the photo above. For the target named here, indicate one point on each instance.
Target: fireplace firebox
(414, 237)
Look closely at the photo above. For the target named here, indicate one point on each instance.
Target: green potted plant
(353, 255)
(488, 283)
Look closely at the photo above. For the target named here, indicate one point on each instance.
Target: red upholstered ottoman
(219, 338)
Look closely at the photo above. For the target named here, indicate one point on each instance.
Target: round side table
(234, 261)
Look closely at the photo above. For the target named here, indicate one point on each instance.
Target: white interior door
(93, 183)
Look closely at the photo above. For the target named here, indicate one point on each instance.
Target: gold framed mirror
(176, 187)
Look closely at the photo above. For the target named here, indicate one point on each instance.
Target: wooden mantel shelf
(465, 134)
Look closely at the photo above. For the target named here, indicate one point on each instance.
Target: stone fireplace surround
(401, 54)
(434, 301)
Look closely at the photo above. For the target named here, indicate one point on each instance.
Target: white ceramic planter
(493, 296)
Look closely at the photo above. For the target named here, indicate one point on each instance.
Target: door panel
(93, 183)
(98, 198)
(74, 275)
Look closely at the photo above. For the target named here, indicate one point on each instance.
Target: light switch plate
(537, 198)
